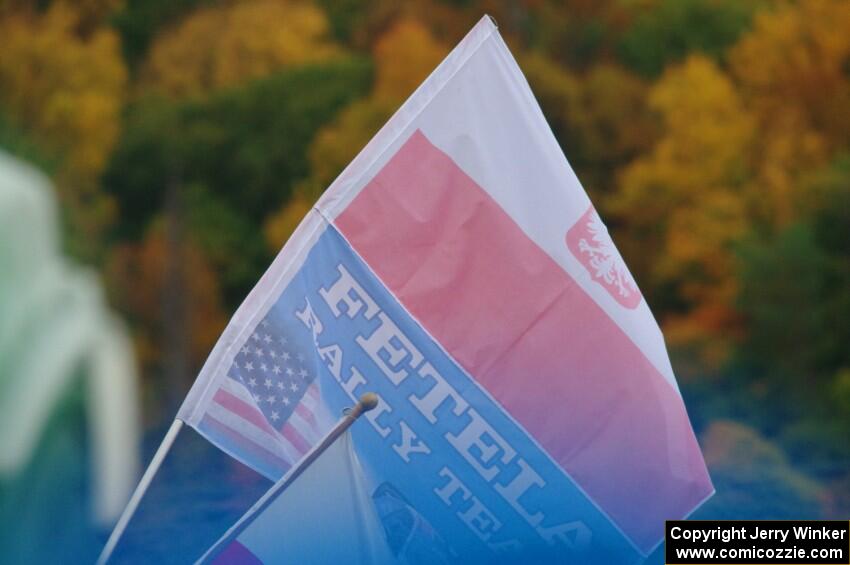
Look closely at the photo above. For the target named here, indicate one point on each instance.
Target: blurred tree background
(189, 137)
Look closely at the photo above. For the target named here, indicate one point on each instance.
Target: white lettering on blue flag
(438, 446)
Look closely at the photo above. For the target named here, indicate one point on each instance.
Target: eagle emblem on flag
(590, 243)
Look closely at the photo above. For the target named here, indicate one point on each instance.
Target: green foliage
(712, 135)
(236, 155)
(231, 242)
(788, 269)
(19, 144)
(795, 286)
(577, 34)
(841, 394)
(269, 127)
(147, 157)
(140, 20)
(345, 16)
(255, 136)
(674, 28)
(795, 296)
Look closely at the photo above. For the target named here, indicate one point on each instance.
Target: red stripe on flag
(295, 438)
(236, 554)
(527, 332)
(243, 410)
(306, 415)
(245, 444)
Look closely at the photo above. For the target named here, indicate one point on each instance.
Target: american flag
(265, 411)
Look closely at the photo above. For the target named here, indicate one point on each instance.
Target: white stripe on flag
(237, 389)
(311, 397)
(302, 420)
(303, 427)
(288, 451)
(277, 445)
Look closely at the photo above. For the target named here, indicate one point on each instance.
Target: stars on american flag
(274, 371)
(269, 405)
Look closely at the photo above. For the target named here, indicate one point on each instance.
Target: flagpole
(141, 488)
(367, 402)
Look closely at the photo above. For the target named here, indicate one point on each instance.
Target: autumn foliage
(712, 135)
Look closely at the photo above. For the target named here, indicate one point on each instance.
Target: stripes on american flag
(265, 411)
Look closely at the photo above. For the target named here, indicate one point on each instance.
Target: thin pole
(142, 487)
(367, 402)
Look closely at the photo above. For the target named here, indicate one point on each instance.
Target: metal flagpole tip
(369, 401)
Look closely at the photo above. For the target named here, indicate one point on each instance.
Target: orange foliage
(66, 90)
(683, 201)
(795, 62)
(223, 45)
(792, 70)
(404, 57)
(137, 275)
(281, 224)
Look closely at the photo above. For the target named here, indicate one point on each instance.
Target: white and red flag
(457, 269)
(265, 408)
